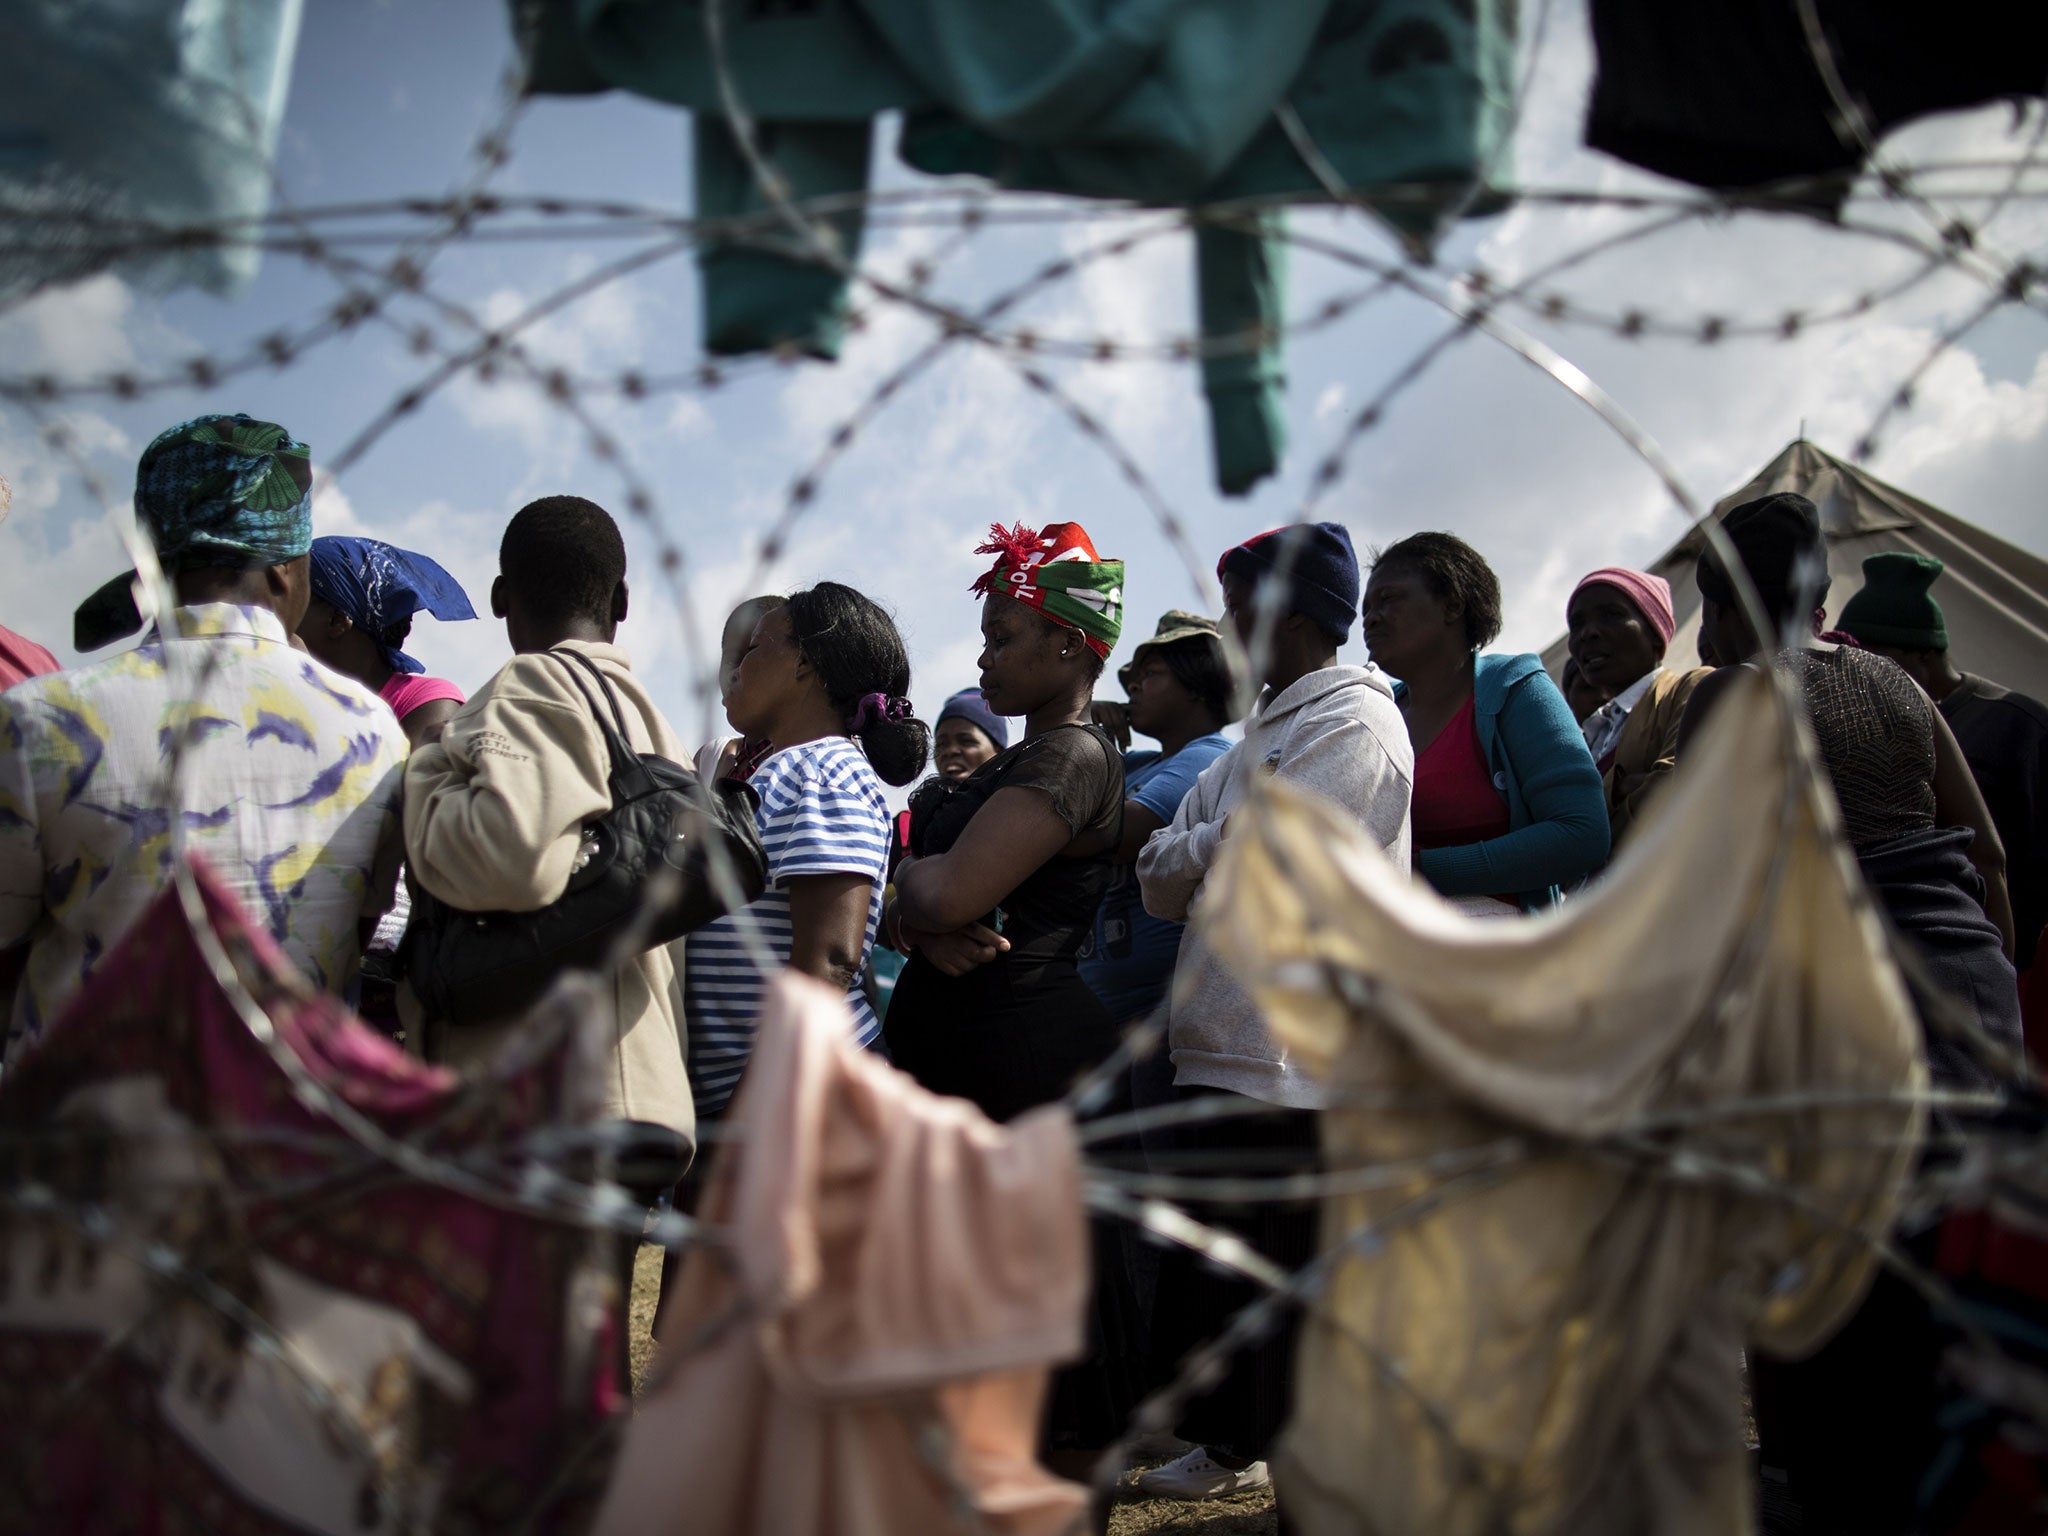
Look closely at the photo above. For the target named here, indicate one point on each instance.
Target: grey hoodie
(1336, 731)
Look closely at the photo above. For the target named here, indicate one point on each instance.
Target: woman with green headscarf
(1007, 868)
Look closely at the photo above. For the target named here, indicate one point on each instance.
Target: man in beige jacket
(494, 811)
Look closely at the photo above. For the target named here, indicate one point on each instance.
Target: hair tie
(876, 707)
(1828, 636)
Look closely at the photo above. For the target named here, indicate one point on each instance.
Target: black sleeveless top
(1052, 910)
(1017, 1031)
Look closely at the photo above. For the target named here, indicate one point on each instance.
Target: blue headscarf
(380, 587)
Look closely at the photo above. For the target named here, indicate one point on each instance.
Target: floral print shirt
(289, 788)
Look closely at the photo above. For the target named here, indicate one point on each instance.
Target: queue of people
(1037, 893)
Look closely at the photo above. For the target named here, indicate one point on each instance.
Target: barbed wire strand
(1471, 300)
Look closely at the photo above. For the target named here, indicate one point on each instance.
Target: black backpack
(669, 856)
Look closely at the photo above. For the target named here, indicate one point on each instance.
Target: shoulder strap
(603, 682)
(625, 761)
(1101, 737)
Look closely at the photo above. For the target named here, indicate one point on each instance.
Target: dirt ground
(646, 1291)
(1249, 1514)
(1245, 1514)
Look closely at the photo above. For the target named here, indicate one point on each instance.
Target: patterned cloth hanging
(227, 1316)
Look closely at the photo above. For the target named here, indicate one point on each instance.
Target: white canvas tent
(1994, 595)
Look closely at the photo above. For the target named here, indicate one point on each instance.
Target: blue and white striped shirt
(822, 813)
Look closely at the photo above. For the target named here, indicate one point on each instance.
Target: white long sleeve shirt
(1337, 732)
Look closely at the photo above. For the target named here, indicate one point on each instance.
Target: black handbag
(671, 854)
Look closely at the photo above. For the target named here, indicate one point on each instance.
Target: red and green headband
(1058, 572)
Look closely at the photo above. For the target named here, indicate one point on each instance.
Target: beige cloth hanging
(868, 1356)
(1575, 1317)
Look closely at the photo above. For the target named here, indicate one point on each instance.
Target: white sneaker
(1197, 1476)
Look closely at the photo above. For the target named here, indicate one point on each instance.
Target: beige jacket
(493, 816)
(1648, 748)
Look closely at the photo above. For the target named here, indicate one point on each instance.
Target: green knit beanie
(1895, 608)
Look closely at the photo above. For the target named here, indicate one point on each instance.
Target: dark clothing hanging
(2004, 737)
(1730, 95)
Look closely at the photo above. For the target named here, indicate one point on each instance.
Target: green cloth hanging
(755, 299)
(812, 61)
(1163, 102)
(813, 77)
(1241, 288)
(1410, 101)
(1149, 100)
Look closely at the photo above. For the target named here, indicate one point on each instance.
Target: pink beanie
(1650, 594)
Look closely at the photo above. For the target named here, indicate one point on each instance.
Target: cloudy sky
(387, 101)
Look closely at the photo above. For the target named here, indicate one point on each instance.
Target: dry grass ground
(1249, 1514)
(1245, 1514)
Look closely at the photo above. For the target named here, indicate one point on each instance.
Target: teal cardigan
(1557, 812)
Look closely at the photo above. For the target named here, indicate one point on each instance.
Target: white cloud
(59, 540)
(333, 512)
(688, 419)
(1977, 446)
(50, 556)
(85, 329)
(1144, 296)
(590, 344)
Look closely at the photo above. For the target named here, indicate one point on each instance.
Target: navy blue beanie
(1322, 570)
(969, 705)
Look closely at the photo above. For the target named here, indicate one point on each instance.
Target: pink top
(898, 1272)
(407, 691)
(22, 658)
(1454, 802)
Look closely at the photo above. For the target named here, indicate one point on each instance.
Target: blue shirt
(822, 813)
(1128, 960)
